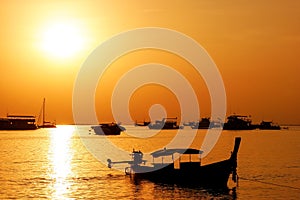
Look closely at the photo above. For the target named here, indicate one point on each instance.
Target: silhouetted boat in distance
(165, 123)
(108, 129)
(144, 123)
(202, 124)
(206, 123)
(268, 125)
(45, 124)
(18, 122)
(187, 169)
(241, 122)
(238, 122)
(191, 123)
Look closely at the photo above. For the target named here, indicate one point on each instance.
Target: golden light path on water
(60, 157)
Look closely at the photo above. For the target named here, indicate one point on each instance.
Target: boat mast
(44, 102)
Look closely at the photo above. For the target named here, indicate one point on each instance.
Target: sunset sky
(255, 44)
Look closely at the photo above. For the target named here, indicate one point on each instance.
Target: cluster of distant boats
(25, 122)
(234, 122)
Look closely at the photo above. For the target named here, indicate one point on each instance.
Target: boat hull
(238, 128)
(159, 127)
(214, 175)
(18, 127)
(47, 126)
(142, 123)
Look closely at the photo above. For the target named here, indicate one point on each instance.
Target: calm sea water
(54, 164)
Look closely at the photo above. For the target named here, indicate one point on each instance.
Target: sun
(62, 40)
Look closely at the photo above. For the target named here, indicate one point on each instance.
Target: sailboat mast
(44, 102)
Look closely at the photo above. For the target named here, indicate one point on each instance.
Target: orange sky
(255, 45)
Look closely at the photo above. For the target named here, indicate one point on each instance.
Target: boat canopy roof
(167, 152)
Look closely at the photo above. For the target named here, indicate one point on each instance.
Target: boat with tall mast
(45, 124)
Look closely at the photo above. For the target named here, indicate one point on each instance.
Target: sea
(59, 163)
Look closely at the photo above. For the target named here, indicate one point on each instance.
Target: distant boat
(45, 124)
(108, 129)
(18, 122)
(206, 123)
(268, 125)
(144, 123)
(202, 124)
(189, 124)
(238, 122)
(187, 169)
(165, 123)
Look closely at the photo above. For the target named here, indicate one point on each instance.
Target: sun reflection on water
(60, 156)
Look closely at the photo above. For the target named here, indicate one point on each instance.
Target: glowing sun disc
(62, 40)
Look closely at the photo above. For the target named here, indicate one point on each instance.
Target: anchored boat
(179, 171)
(18, 122)
(45, 124)
(238, 122)
(144, 123)
(165, 123)
(202, 124)
(108, 129)
(268, 125)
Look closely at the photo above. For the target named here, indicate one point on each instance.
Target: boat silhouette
(268, 125)
(204, 123)
(45, 124)
(238, 122)
(18, 122)
(108, 129)
(144, 123)
(179, 171)
(165, 123)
